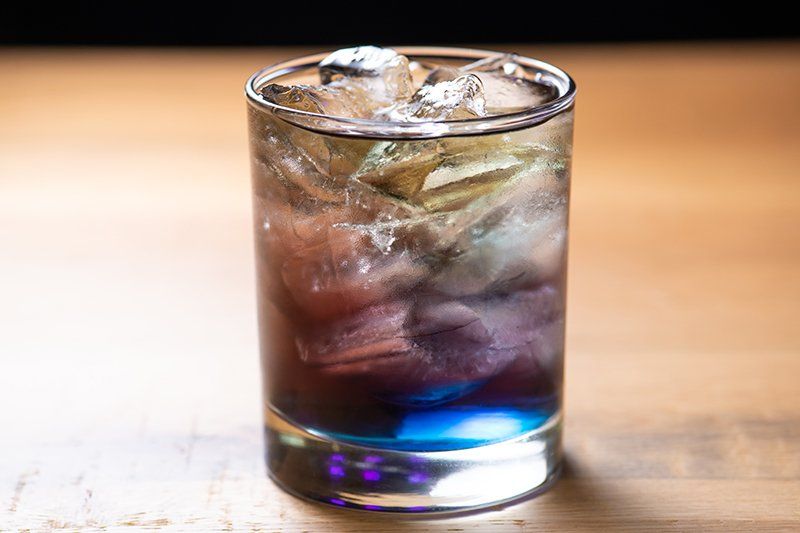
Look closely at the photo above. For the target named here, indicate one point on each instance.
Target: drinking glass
(411, 292)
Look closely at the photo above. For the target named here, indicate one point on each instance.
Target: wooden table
(129, 379)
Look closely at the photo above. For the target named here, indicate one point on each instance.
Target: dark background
(342, 22)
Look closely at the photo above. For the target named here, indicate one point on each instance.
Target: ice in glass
(411, 280)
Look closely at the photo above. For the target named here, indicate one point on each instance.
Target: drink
(411, 278)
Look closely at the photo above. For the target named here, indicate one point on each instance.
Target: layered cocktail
(410, 216)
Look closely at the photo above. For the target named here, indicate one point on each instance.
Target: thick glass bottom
(377, 479)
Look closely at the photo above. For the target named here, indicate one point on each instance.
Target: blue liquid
(452, 428)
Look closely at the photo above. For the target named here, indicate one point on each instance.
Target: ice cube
(341, 100)
(342, 274)
(460, 180)
(513, 319)
(327, 241)
(458, 99)
(382, 71)
(445, 174)
(506, 94)
(399, 168)
(435, 355)
(538, 343)
(295, 173)
(286, 172)
(506, 88)
(353, 344)
(427, 350)
(338, 258)
(501, 63)
(436, 350)
(440, 74)
(305, 157)
(510, 241)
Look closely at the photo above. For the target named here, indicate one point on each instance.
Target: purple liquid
(420, 374)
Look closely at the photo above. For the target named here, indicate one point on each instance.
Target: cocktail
(410, 212)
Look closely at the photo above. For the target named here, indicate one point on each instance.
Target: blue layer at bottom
(452, 428)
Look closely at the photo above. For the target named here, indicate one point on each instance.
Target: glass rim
(370, 128)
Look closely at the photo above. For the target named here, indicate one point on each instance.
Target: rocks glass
(410, 213)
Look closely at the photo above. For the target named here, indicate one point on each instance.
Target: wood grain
(129, 378)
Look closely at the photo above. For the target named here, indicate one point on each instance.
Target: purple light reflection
(372, 475)
(418, 477)
(336, 471)
(337, 501)
(373, 459)
(337, 458)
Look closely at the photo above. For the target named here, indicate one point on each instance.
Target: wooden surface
(129, 380)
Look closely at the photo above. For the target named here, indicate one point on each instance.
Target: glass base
(345, 475)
